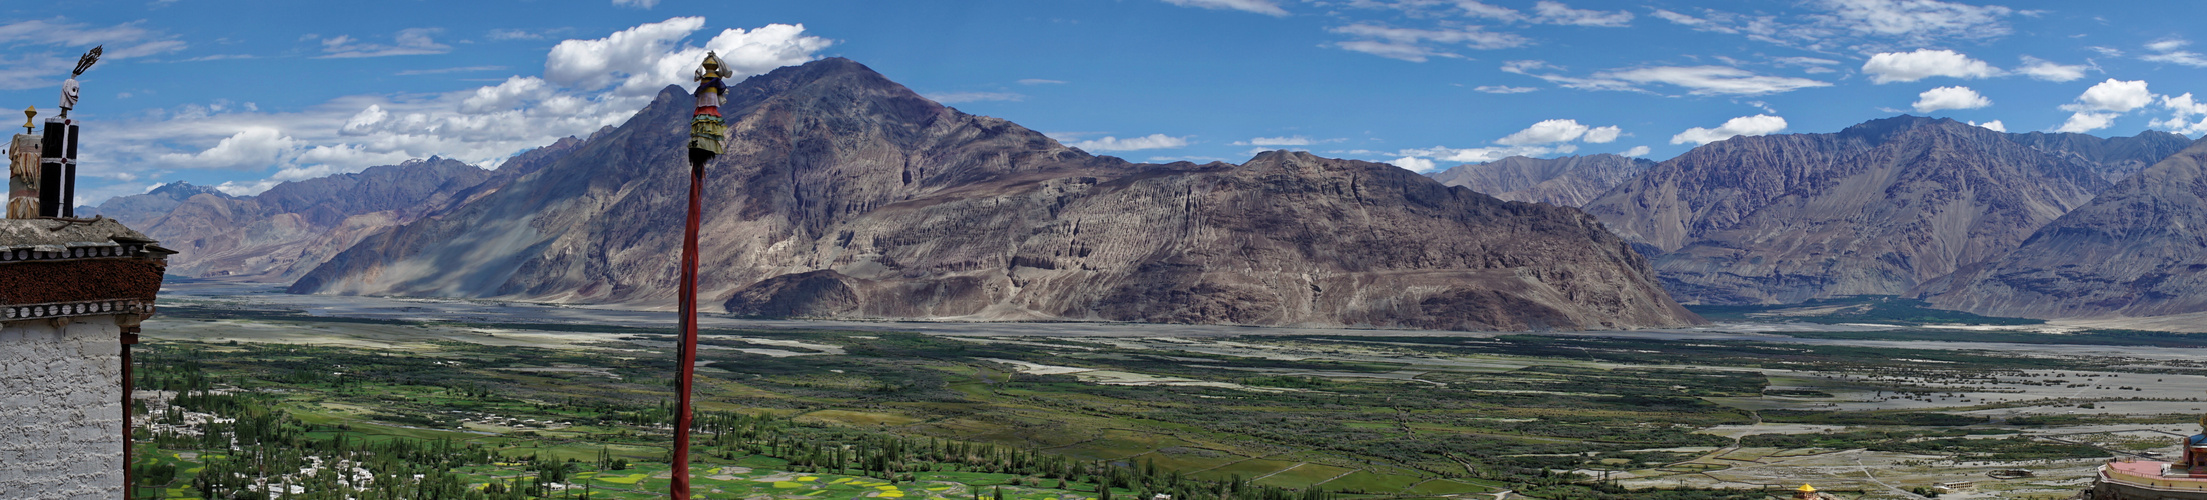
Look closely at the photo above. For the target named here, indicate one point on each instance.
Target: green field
(509, 411)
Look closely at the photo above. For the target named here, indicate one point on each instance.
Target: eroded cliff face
(846, 195)
(2138, 249)
(1568, 181)
(1878, 208)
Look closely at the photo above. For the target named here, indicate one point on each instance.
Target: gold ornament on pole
(28, 114)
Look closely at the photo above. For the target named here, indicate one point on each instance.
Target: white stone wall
(61, 409)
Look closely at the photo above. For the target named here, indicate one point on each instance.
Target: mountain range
(846, 195)
(1568, 181)
(1878, 208)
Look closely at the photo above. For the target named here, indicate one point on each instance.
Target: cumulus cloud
(1483, 155)
(1636, 152)
(2084, 121)
(1296, 140)
(1949, 98)
(2187, 116)
(1504, 89)
(408, 42)
(2114, 96)
(1745, 125)
(1544, 138)
(1994, 125)
(2098, 106)
(1892, 67)
(1603, 135)
(1414, 164)
(1152, 141)
(2050, 71)
(958, 97)
(480, 126)
(1266, 7)
(1546, 132)
(646, 58)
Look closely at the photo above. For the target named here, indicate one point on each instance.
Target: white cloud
(1603, 135)
(641, 4)
(645, 58)
(1266, 7)
(1857, 25)
(1277, 141)
(1711, 80)
(2168, 53)
(1745, 125)
(1039, 81)
(408, 42)
(1545, 132)
(480, 126)
(1409, 44)
(2183, 109)
(1414, 164)
(1152, 141)
(1636, 152)
(1483, 155)
(2113, 95)
(2048, 70)
(1917, 20)
(1504, 89)
(253, 148)
(2086, 122)
(958, 97)
(1994, 125)
(1949, 98)
(1557, 13)
(1892, 67)
(1476, 9)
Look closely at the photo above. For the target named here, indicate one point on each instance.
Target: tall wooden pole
(689, 332)
(706, 133)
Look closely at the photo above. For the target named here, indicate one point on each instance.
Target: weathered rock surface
(2138, 249)
(846, 195)
(1878, 208)
(1568, 181)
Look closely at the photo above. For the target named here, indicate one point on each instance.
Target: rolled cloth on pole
(23, 155)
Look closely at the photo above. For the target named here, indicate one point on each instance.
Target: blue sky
(244, 94)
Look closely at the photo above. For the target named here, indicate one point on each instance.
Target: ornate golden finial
(32, 112)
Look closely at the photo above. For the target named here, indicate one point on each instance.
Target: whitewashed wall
(61, 409)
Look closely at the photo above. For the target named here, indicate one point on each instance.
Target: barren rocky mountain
(1568, 181)
(138, 210)
(1878, 208)
(844, 194)
(2115, 157)
(2138, 249)
(287, 230)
